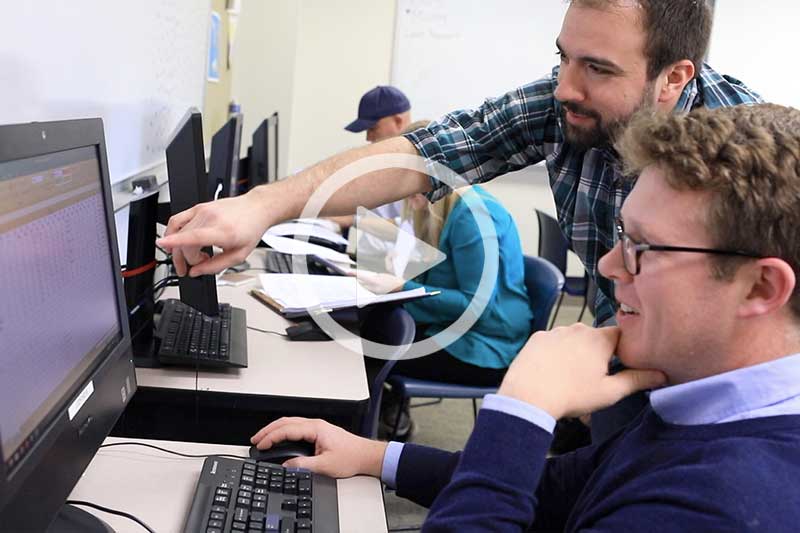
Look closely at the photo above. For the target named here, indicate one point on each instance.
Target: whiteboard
(139, 65)
(756, 43)
(453, 54)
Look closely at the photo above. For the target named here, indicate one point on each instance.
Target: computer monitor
(264, 153)
(139, 274)
(188, 186)
(223, 168)
(66, 372)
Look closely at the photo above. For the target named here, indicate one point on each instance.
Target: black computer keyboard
(281, 263)
(241, 495)
(278, 262)
(188, 337)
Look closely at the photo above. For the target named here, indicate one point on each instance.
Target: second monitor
(197, 329)
(263, 154)
(223, 167)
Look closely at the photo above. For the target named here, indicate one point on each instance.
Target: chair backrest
(553, 245)
(543, 282)
(387, 324)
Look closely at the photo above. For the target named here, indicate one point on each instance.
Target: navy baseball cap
(382, 101)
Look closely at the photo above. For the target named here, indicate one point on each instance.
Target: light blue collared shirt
(758, 391)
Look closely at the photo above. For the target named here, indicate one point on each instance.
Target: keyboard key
(259, 506)
(238, 526)
(273, 523)
(289, 505)
(217, 516)
(215, 523)
(287, 525)
(240, 514)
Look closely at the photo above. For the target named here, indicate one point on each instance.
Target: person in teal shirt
(480, 356)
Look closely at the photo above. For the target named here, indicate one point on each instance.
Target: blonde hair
(747, 158)
(429, 222)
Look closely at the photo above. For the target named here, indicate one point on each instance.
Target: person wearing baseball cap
(383, 112)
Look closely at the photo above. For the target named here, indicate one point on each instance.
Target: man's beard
(604, 133)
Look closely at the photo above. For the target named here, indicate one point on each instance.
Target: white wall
(344, 48)
(756, 43)
(263, 65)
(312, 60)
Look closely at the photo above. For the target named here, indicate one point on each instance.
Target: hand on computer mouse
(338, 453)
(280, 452)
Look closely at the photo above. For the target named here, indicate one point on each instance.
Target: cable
(191, 456)
(111, 511)
(165, 282)
(268, 331)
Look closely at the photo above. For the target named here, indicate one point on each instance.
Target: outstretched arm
(236, 224)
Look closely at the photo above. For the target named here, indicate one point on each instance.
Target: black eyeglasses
(632, 250)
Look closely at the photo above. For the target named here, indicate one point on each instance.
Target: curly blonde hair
(748, 158)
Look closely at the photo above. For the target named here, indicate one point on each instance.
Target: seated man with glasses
(705, 271)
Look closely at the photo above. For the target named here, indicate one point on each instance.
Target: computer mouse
(306, 331)
(283, 451)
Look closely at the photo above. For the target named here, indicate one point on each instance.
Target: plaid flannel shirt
(523, 127)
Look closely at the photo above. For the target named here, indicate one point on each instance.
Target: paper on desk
(310, 230)
(321, 222)
(296, 247)
(300, 291)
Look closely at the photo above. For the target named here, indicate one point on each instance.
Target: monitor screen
(188, 186)
(223, 168)
(65, 368)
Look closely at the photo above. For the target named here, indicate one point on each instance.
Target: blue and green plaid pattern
(523, 127)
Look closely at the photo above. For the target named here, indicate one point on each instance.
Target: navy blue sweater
(736, 476)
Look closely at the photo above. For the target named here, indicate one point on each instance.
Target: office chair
(553, 246)
(387, 324)
(543, 282)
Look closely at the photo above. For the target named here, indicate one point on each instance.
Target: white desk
(157, 488)
(316, 379)
(328, 370)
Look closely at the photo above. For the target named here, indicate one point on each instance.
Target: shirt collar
(688, 98)
(729, 395)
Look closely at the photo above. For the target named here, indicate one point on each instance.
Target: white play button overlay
(387, 255)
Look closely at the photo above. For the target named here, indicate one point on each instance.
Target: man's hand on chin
(565, 372)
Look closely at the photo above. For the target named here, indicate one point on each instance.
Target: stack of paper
(298, 247)
(297, 292)
(303, 229)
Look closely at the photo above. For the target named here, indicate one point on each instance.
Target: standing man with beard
(616, 57)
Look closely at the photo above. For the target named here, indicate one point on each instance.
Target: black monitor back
(44, 455)
(188, 186)
(264, 153)
(139, 273)
(223, 168)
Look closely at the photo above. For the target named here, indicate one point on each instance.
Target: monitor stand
(71, 518)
